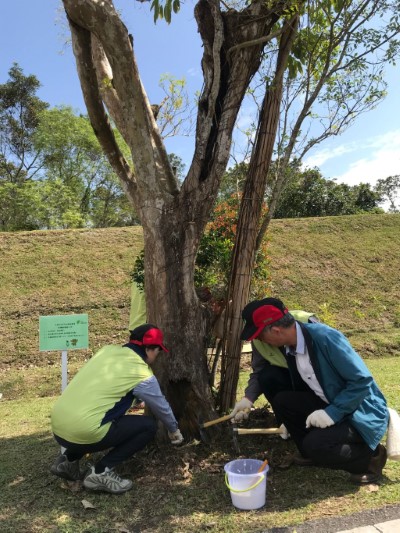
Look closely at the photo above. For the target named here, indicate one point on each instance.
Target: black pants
(126, 436)
(273, 379)
(339, 447)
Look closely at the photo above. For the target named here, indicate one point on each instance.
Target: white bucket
(248, 486)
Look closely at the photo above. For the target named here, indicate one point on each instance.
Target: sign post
(63, 332)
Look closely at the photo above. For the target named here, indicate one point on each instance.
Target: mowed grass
(175, 489)
(343, 268)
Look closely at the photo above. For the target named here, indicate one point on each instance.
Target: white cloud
(322, 156)
(381, 161)
(194, 72)
(373, 158)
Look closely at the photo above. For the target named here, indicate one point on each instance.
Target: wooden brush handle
(216, 421)
(262, 466)
(266, 431)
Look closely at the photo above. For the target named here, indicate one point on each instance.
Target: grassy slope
(344, 268)
(347, 270)
(64, 272)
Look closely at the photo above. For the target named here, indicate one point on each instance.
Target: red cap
(259, 314)
(148, 335)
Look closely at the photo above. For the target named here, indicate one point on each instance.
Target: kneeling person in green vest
(270, 373)
(90, 415)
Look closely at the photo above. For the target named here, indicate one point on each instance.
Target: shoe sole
(369, 481)
(105, 489)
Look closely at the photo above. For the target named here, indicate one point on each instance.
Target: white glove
(285, 433)
(241, 410)
(175, 437)
(319, 419)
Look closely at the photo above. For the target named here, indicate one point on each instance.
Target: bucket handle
(244, 490)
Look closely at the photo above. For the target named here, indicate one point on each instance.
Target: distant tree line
(309, 194)
(54, 175)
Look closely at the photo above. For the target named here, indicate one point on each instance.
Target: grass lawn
(175, 489)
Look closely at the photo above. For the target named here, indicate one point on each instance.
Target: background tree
(336, 73)
(53, 172)
(388, 189)
(75, 164)
(309, 194)
(20, 109)
(175, 113)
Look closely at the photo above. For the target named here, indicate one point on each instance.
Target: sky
(35, 35)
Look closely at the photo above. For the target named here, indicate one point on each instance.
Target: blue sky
(34, 34)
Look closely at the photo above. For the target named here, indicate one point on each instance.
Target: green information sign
(63, 332)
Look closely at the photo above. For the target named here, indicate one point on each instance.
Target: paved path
(383, 520)
(391, 526)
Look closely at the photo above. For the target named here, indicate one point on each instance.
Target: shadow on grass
(175, 489)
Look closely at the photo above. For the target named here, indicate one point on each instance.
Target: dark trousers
(339, 447)
(126, 436)
(273, 379)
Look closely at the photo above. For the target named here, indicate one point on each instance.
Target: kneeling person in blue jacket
(270, 373)
(90, 415)
(338, 416)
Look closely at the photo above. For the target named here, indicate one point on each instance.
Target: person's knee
(282, 399)
(314, 448)
(149, 426)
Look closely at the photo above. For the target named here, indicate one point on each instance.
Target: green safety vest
(137, 315)
(104, 381)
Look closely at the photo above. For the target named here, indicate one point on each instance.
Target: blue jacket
(347, 383)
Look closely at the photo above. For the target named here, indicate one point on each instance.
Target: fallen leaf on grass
(73, 486)
(186, 473)
(157, 498)
(87, 505)
(17, 481)
(371, 488)
(209, 525)
(121, 528)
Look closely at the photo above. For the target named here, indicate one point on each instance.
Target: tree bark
(248, 221)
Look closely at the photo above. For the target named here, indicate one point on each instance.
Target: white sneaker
(66, 469)
(107, 481)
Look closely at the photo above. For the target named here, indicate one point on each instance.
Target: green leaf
(167, 11)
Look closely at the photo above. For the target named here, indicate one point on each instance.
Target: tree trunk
(249, 217)
(173, 220)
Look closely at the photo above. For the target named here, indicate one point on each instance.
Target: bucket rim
(264, 470)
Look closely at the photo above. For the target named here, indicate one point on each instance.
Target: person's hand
(284, 432)
(319, 419)
(175, 437)
(241, 410)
